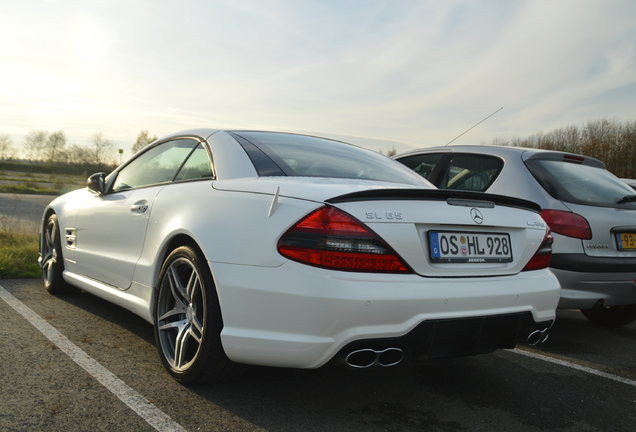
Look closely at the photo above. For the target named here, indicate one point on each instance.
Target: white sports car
(276, 249)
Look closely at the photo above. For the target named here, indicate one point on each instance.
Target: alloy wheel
(181, 314)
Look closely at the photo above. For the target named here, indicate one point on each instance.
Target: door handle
(139, 207)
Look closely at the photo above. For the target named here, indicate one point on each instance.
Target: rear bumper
(585, 280)
(435, 339)
(591, 264)
(584, 290)
(300, 316)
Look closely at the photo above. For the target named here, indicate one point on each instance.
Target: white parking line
(139, 404)
(575, 366)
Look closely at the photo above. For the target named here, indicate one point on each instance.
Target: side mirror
(96, 183)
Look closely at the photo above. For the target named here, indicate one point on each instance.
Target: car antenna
(476, 124)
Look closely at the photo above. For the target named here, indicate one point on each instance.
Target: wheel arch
(174, 242)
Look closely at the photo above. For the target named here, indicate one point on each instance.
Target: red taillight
(541, 258)
(567, 224)
(330, 238)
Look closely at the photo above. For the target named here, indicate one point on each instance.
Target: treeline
(608, 140)
(52, 148)
(611, 141)
(49, 152)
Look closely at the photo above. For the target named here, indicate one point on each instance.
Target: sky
(383, 74)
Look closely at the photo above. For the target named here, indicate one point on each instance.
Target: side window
(471, 172)
(197, 166)
(157, 165)
(422, 164)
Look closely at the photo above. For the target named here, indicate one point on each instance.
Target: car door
(111, 227)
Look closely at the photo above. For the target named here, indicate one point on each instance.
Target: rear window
(581, 184)
(423, 164)
(282, 154)
(472, 172)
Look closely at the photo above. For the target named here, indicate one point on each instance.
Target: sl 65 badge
(387, 215)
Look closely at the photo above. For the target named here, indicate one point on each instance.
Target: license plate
(626, 241)
(469, 247)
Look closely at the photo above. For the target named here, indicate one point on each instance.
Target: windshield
(276, 154)
(582, 184)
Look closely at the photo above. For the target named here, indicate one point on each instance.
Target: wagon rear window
(581, 184)
(471, 172)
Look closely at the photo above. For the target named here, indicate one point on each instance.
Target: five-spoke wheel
(52, 261)
(188, 321)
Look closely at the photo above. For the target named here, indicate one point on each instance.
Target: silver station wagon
(592, 215)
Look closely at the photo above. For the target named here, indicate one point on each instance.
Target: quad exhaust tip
(367, 357)
(538, 336)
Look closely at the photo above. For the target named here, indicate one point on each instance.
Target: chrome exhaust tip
(538, 337)
(367, 357)
(361, 359)
(390, 357)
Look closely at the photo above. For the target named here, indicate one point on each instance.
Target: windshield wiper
(626, 199)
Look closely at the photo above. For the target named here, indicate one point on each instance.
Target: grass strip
(26, 189)
(19, 256)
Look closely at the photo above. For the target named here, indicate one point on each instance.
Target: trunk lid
(613, 230)
(445, 233)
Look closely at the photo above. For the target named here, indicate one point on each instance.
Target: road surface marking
(575, 366)
(139, 404)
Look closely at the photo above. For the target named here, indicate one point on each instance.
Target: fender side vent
(71, 238)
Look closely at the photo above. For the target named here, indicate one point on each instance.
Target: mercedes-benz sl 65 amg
(287, 250)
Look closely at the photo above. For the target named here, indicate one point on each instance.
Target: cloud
(412, 73)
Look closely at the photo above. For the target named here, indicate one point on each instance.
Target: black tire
(52, 262)
(188, 321)
(612, 316)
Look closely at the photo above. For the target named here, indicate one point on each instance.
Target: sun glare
(87, 49)
(89, 37)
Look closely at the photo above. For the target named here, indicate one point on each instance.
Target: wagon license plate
(469, 247)
(626, 241)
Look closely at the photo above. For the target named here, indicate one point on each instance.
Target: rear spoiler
(453, 197)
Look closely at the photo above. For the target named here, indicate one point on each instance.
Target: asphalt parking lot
(78, 363)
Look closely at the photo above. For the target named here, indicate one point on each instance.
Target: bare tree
(54, 146)
(34, 144)
(390, 152)
(610, 141)
(101, 148)
(627, 144)
(143, 139)
(6, 147)
(80, 155)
